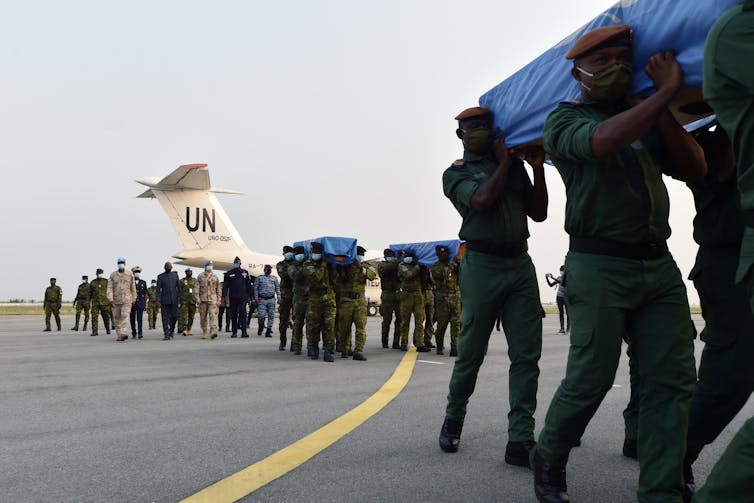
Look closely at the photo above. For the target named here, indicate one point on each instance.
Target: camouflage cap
(473, 112)
(360, 250)
(606, 36)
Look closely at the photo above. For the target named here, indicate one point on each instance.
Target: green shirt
(189, 290)
(53, 295)
(505, 220)
(729, 87)
(388, 272)
(622, 198)
(286, 283)
(84, 293)
(408, 274)
(718, 221)
(445, 277)
(99, 292)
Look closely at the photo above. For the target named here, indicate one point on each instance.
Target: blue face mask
(236, 265)
(289, 256)
(207, 267)
(137, 275)
(300, 257)
(390, 259)
(408, 260)
(99, 276)
(121, 267)
(359, 259)
(316, 257)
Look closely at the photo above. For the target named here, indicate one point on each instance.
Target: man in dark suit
(237, 289)
(169, 297)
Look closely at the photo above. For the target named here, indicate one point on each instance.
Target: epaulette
(571, 102)
(458, 163)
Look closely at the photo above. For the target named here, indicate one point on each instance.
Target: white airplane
(203, 228)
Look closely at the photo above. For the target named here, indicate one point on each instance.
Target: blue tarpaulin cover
(343, 248)
(522, 102)
(425, 251)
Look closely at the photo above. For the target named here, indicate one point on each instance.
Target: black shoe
(403, 347)
(95, 334)
(350, 352)
(453, 351)
(518, 453)
(133, 336)
(166, 338)
(343, 354)
(227, 329)
(385, 345)
(140, 337)
(549, 480)
(283, 344)
(233, 336)
(297, 351)
(268, 334)
(76, 328)
(396, 345)
(46, 330)
(430, 346)
(244, 335)
(328, 357)
(359, 357)
(450, 435)
(259, 330)
(440, 350)
(423, 349)
(629, 449)
(338, 347)
(108, 331)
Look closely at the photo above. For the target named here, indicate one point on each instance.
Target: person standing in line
(83, 302)
(52, 303)
(390, 298)
(208, 295)
(300, 297)
(152, 305)
(266, 295)
(445, 277)
(140, 303)
(100, 304)
(188, 308)
(560, 298)
(169, 297)
(286, 295)
(237, 288)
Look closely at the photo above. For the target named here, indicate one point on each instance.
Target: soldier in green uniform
(52, 303)
(100, 304)
(445, 277)
(152, 308)
(83, 302)
(352, 279)
(300, 298)
(494, 195)
(320, 312)
(286, 295)
(621, 276)
(389, 298)
(412, 301)
(188, 308)
(429, 305)
(729, 88)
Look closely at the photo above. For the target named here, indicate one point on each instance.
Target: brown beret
(472, 112)
(619, 34)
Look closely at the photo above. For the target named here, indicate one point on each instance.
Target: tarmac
(87, 419)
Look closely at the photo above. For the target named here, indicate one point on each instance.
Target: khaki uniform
(412, 302)
(208, 295)
(53, 301)
(121, 292)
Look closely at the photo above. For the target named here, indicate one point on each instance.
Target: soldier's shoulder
(458, 164)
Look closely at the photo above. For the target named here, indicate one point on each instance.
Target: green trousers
(104, 310)
(429, 316)
(186, 316)
(300, 302)
(412, 303)
(82, 306)
(646, 299)
(389, 306)
(320, 321)
(152, 311)
(52, 310)
(732, 479)
(352, 312)
(284, 311)
(492, 286)
(448, 313)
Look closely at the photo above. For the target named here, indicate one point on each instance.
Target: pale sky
(333, 117)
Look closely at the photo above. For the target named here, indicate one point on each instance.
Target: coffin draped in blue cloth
(338, 250)
(425, 251)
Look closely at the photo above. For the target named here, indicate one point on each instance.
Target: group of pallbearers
(611, 152)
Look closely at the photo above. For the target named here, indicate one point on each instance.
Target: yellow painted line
(251, 478)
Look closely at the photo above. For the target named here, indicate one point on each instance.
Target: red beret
(619, 34)
(472, 112)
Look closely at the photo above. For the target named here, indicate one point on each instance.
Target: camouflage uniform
(52, 303)
(353, 305)
(320, 311)
(83, 303)
(121, 292)
(300, 303)
(152, 308)
(389, 301)
(429, 304)
(286, 299)
(448, 294)
(412, 302)
(188, 308)
(208, 294)
(100, 304)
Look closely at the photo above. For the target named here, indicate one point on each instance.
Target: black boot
(450, 435)
(283, 342)
(261, 327)
(518, 453)
(629, 448)
(84, 329)
(549, 481)
(453, 350)
(76, 327)
(94, 333)
(269, 333)
(328, 356)
(396, 344)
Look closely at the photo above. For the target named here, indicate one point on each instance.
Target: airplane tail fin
(199, 221)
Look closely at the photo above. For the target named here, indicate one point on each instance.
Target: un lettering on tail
(201, 225)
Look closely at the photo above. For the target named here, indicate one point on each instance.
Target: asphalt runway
(87, 419)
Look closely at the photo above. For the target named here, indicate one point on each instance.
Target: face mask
(121, 267)
(408, 260)
(137, 275)
(611, 83)
(289, 256)
(236, 265)
(390, 259)
(316, 257)
(99, 276)
(359, 259)
(207, 267)
(478, 141)
(154, 283)
(300, 257)
(267, 272)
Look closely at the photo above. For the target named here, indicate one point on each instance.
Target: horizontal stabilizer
(185, 177)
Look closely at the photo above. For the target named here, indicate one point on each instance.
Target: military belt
(506, 250)
(634, 251)
(268, 297)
